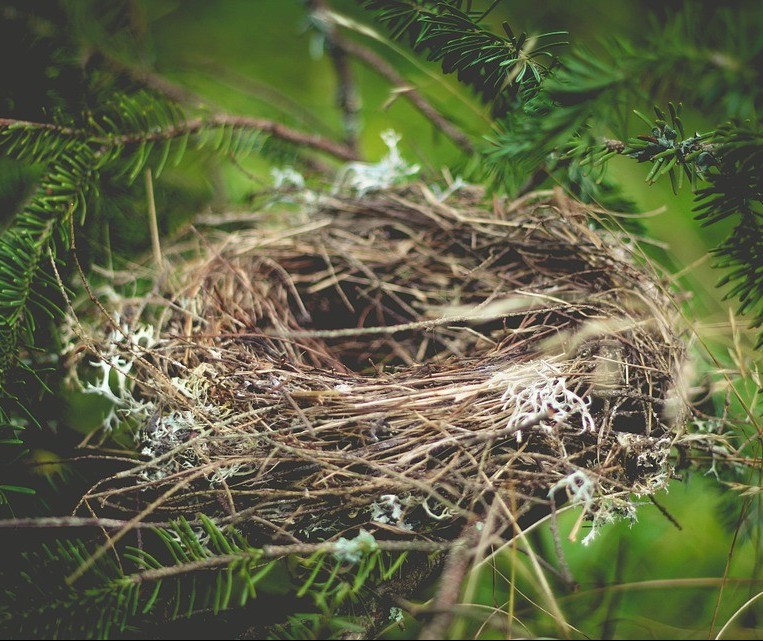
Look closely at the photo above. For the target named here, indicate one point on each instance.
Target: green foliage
(204, 569)
(714, 53)
(179, 571)
(503, 70)
(735, 188)
(669, 150)
(554, 128)
(119, 140)
(729, 162)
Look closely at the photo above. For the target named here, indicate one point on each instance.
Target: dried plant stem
(153, 223)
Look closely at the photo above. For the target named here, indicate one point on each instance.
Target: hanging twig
(379, 65)
(348, 98)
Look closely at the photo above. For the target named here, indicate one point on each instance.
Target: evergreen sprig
(183, 570)
(70, 170)
(670, 151)
(125, 136)
(734, 188)
(503, 70)
(187, 570)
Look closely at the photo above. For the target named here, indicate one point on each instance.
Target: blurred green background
(259, 57)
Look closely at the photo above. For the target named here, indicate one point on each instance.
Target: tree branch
(195, 125)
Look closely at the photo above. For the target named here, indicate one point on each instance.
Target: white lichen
(123, 347)
(195, 384)
(389, 510)
(583, 490)
(442, 516)
(285, 177)
(443, 194)
(610, 510)
(541, 390)
(169, 434)
(579, 487)
(364, 177)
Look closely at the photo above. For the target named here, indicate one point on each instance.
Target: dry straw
(396, 363)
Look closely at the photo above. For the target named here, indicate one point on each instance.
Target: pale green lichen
(396, 614)
(123, 346)
(353, 550)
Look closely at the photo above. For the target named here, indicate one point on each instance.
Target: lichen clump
(400, 364)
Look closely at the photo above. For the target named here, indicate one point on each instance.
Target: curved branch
(378, 64)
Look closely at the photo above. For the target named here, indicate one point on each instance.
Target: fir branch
(60, 195)
(190, 127)
(668, 148)
(502, 70)
(735, 188)
(186, 569)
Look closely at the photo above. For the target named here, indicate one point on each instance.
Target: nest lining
(401, 365)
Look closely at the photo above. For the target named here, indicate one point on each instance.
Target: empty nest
(395, 363)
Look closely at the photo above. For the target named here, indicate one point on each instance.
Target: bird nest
(395, 363)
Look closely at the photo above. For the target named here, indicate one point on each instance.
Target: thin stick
(276, 551)
(347, 96)
(75, 522)
(379, 65)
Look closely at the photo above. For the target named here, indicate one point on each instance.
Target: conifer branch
(193, 126)
(503, 70)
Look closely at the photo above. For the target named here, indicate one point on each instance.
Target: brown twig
(379, 65)
(410, 93)
(278, 551)
(44, 522)
(348, 98)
